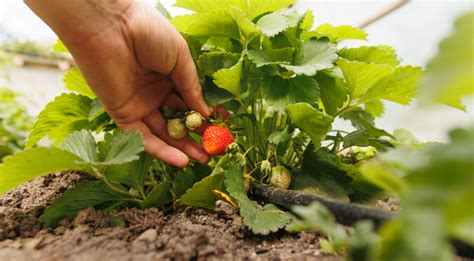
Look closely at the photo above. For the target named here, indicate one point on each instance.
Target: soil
(133, 234)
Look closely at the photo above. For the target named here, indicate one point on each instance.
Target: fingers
(173, 101)
(185, 78)
(157, 124)
(157, 147)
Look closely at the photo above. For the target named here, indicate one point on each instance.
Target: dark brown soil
(133, 234)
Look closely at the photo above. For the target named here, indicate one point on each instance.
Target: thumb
(186, 80)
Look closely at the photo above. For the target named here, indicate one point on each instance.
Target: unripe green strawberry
(280, 177)
(193, 120)
(176, 129)
(216, 139)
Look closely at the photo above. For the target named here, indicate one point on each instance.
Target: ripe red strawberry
(216, 139)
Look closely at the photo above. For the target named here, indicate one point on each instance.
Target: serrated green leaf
(187, 177)
(131, 174)
(375, 107)
(399, 86)
(450, 74)
(247, 28)
(96, 110)
(342, 32)
(333, 92)
(356, 138)
(313, 56)
(363, 120)
(211, 62)
(215, 95)
(217, 23)
(381, 54)
(82, 196)
(75, 82)
(321, 176)
(259, 220)
(200, 195)
(33, 162)
(307, 22)
(280, 92)
(315, 123)
(159, 196)
(272, 24)
(59, 47)
(229, 79)
(124, 147)
(82, 144)
(67, 113)
(360, 76)
(251, 8)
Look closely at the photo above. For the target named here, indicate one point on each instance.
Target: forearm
(76, 21)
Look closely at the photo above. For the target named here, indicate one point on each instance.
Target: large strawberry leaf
(313, 56)
(310, 120)
(159, 196)
(381, 54)
(216, 23)
(200, 195)
(272, 24)
(67, 113)
(261, 220)
(335, 33)
(75, 82)
(280, 92)
(82, 196)
(33, 162)
(229, 79)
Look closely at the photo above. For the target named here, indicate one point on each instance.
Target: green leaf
(187, 177)
(67, 113)
(159, 196)
(363, 120)
(399, 86)
(75, 82)
(96, 110)
(212, 62)
(360, 76)
(382, 176)
(229, 79)
(82, 144)
(375, 108)
(450, 74)
(59, 47)
(247, 28)
(215, 95)
(357, 138)
(272, 24)
(251, 8)
(159, 6)
(343, 32)
(272, 56)
(333, 92)
(261, 220)
(381, 54)
(82, 196)
(321, 176)
(132, 173)
(315, 123)
(200, 195)
(216, 23)
(23, 166)
(124, 147)
(313, 56)
(280, 92)
(307, 22)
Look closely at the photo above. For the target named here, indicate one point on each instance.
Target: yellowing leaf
(225, 197)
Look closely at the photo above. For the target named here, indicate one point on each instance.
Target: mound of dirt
(134, 234)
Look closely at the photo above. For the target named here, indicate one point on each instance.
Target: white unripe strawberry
(193, 120)
(176, 129)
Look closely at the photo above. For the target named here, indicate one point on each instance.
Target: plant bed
(184, 234)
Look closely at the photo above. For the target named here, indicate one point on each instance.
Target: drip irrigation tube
(345, 213)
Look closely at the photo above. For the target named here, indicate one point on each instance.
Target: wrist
(77, 21)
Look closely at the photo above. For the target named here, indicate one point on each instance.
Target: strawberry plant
(284, 84)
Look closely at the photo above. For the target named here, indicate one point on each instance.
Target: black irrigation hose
(345, 213)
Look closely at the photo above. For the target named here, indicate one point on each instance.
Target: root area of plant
(134, 234)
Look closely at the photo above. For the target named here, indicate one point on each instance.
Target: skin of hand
(136, 63)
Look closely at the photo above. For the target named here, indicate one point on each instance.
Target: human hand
(136, 63)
